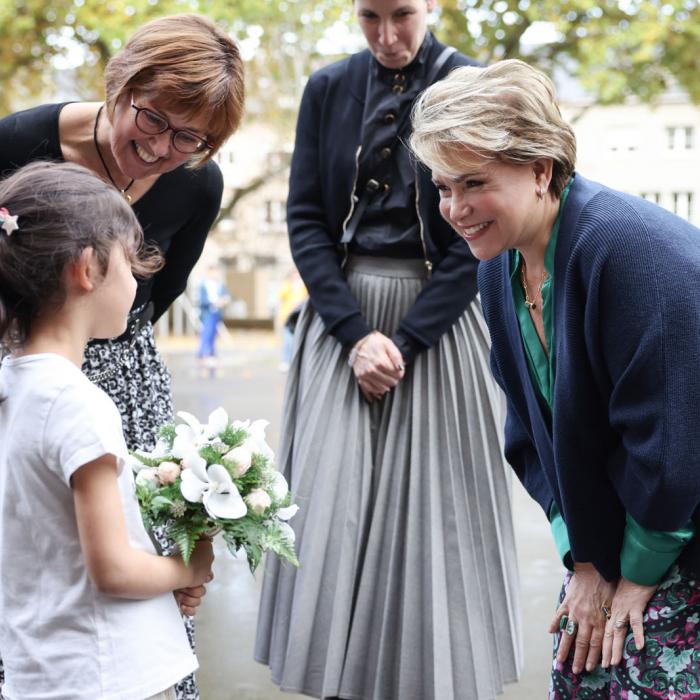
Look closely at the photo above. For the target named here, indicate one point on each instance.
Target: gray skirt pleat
(408, 586)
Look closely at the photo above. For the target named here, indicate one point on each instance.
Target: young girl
(86, 605)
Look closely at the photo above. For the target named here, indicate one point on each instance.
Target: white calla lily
(197, 433)
(218, 420)
(214, 487)
(288, 512)
(162, 449)
(185, 441)
(196, 427)
(279, 486)
(256, 440)
(192, 460)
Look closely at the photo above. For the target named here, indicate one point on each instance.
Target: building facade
(650, 151)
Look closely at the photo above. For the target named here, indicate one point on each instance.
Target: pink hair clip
(9, 222)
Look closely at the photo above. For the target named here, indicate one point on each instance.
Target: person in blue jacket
(212, 296)
(591, 298)
(408, 587)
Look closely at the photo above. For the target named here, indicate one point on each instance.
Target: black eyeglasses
(152, 124)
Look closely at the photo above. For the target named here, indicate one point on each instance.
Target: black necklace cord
(123, 190)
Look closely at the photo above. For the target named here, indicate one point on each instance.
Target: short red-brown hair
(191, 65)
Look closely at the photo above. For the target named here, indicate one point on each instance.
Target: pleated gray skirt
(408, 586)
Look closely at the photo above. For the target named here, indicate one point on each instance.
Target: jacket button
(385, 152)
(389, 118)
(385, 187)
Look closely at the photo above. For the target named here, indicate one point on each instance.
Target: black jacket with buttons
(322, 177)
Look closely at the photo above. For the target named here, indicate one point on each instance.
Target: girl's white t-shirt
(60, 638)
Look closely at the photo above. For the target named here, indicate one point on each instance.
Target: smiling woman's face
(394, 29)
(141, 155)
(493, 206)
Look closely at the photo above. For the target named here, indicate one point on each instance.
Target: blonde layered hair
(190, 64)
(505, 112)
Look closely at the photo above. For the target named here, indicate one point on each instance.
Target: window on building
(623, 137)
(651, 196)
(689, 137)
(680, 138)
(275, 211)
(682, 204)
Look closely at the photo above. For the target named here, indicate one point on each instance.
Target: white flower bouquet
(202, 479)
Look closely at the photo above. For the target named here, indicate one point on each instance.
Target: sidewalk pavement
(249, 385)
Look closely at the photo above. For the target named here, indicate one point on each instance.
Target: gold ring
(605, 607)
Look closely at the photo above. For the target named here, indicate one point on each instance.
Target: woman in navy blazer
(591, 298)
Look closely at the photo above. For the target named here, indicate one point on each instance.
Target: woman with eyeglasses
(174, 94)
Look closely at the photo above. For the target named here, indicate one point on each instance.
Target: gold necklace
(531, 304)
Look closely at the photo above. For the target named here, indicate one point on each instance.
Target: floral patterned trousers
(669, 665)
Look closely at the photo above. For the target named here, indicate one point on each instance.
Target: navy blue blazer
(329, 131)
(625, 429)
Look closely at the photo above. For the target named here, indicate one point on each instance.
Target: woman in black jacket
(408, 586)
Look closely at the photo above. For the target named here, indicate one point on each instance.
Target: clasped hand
(596, 638)
(588, 591)
(378, 365)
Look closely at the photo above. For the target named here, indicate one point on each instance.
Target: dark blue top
(322, 181)
(625, 428)
(389, 226)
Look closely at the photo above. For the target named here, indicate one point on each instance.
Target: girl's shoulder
(49, 379)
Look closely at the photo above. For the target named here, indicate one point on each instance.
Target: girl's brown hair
(190, 64)
(61, 209)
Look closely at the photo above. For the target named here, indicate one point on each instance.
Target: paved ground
(249, 385)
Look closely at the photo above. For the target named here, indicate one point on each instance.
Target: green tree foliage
(615, 47)
(280, 39)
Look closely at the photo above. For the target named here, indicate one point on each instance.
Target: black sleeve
(451, 288)
(187, 244)
(314, 247)
(27, 136)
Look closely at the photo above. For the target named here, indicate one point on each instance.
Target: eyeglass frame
(207, 145)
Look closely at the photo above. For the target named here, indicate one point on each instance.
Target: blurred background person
(174, 94)
(212, 297)
(408, 588)
(591, 302)
(292, 294)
